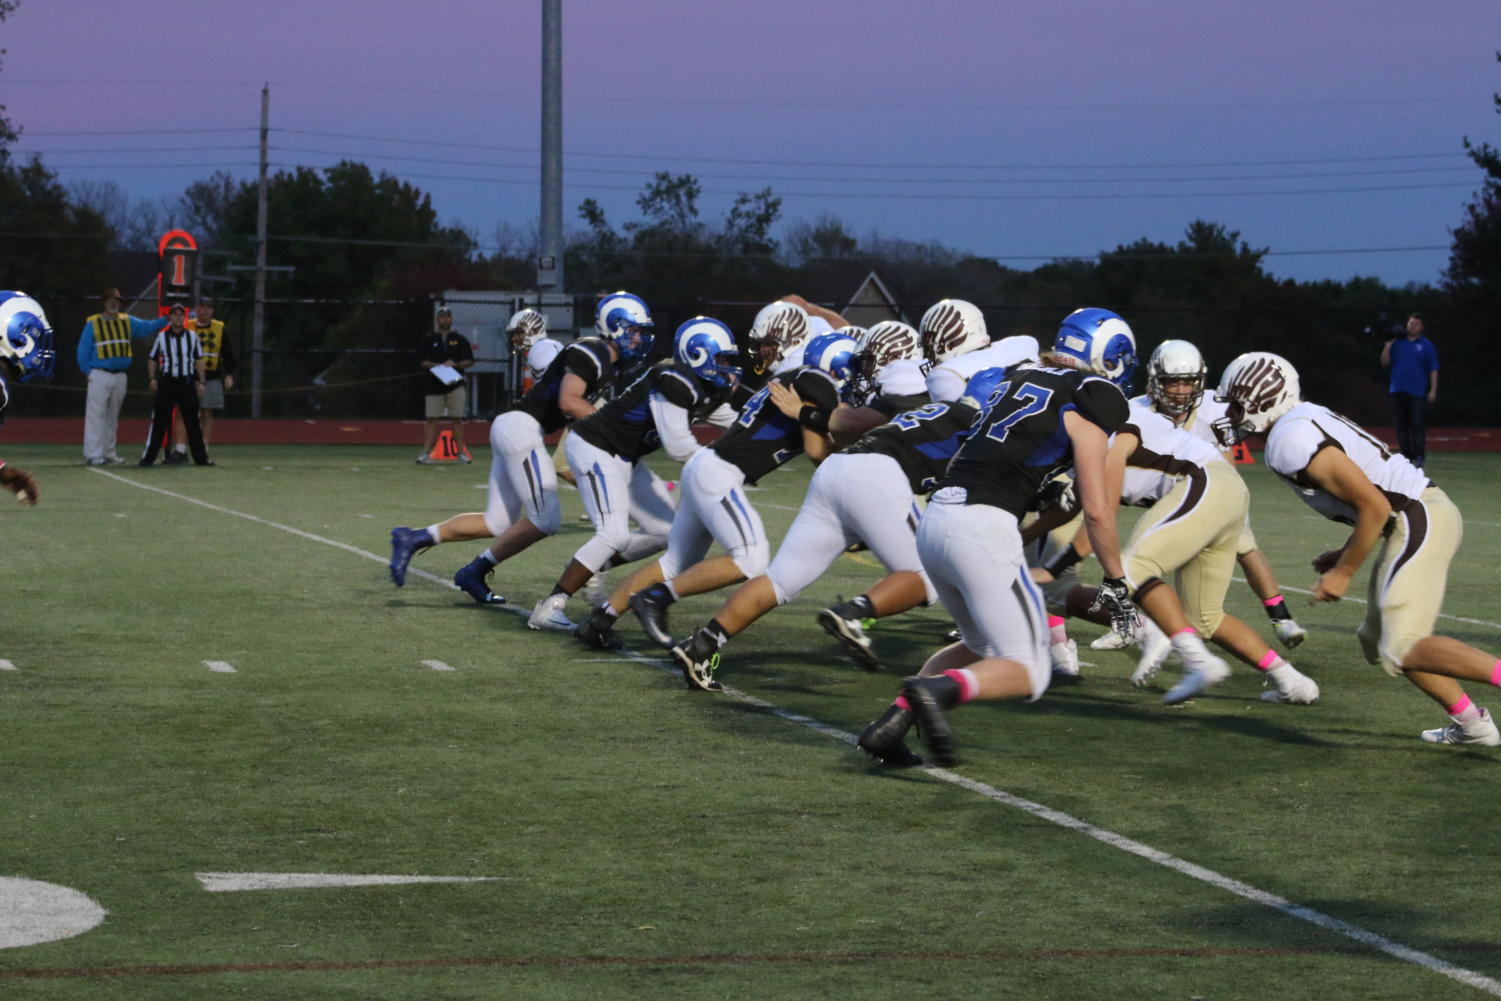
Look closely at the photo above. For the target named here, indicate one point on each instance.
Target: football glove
(1114, 598)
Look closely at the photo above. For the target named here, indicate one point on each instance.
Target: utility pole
(258, 327)
(550, 261)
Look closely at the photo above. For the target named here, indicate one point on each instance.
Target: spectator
(176, 368)
(104, 353)
(1414, 363)
(445, 397)
(219, 375)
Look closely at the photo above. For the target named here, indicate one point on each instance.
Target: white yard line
(220, 666)
(6, 665)
(1183, 867)
(437, 665)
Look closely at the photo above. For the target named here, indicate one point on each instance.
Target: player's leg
(1263, 583)
(187, 409)
(604, 485)
(115, 383)
(161, 419)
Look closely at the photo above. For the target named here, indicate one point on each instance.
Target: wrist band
(814, 419)
(1064, 562)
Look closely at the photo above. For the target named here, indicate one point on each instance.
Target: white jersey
(1201, 418)
(1166, 455)
(1308, 429)
(541, 355)
(792, 357)
(902, 377)
(946, 382)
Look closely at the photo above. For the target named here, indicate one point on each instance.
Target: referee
(176, 367)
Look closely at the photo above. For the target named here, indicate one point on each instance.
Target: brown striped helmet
(1258, 387)
(527, 327)
(783, 324)
(952, 327)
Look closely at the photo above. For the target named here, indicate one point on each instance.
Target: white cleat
(1289, 633)
(1295, 689)
(1155, 647)
(1065, 657)
(1202, 670)
(1481, 732)
(549, 615)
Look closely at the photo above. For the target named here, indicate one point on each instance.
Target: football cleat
(927, 698)
(1065, 658)
(406, 543)
(1203, 670)
(840, 623)
(472, 578)
(1289, 633)
(698, 665)
(424, 459)
(652, 611)
(598, 631)
(1293, 687)
(1155, 647)
(548, 615)
(885, 739)
(1480, 732)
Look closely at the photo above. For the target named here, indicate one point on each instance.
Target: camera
(1384, 328)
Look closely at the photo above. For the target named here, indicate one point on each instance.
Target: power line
(135, 132)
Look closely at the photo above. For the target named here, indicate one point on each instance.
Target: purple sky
(1003, 129)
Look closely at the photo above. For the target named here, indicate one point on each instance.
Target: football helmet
(981, 387)
(886, 342)
(624, 321)
(1258, 387)
(833, 353)
(708, 348)
(783, 324)
(26, 337)
(854, 333)
(1180, 362)
(526, 327)
(1101, 342)
(952, 327)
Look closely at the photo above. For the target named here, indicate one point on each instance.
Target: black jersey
(893, 405)
(922, 441)
(762, 437)
(588, 358)
(626, 426)
(1020, 440)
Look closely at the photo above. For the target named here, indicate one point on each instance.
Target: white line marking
(437, 665)
(229, 882)
(219, 666)
(1181, 866)
(612, 660)
(32, 912)
(777, 507)
(6, 665)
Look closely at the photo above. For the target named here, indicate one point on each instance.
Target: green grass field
(645, 841)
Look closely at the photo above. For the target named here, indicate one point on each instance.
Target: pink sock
(969, 686)
(1057, 629)
(902, 703)
(1459, 707)
(1190, 630)
(1273, 601)
(1496, 675)
(1270, 662)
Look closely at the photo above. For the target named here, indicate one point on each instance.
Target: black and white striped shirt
(176, 353)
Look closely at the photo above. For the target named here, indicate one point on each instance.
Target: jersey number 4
(1029, 399)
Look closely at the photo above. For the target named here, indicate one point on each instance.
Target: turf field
(639, 840)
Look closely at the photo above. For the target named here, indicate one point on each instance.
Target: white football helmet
(1258, 387)
(854, 333)
(784, 324)
(952, 327)
(526, 327)
(1176, 362)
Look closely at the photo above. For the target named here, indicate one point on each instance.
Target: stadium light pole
(258, 324)
(550, 258)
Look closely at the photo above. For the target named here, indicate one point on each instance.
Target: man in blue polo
(1414, 363)
(104, 355)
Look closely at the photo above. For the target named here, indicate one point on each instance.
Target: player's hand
(1324, 562)
(785, 399)
(1331, 586)
(1114, 597)
(21, 483)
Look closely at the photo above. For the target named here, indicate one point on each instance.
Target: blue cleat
(471, 579)
(406, 543)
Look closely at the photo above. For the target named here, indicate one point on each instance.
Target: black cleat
(698, 661)
(652, 611)
(175, 459)
(885, 739)
(598, 631)
(843, 623)
(930, 699)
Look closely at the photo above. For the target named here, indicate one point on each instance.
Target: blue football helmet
(982, 386)
(833, 353)
(1101, 341)
(708, 348)
(624, 321)
(26, 337)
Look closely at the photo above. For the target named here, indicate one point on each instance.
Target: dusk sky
(1019, 131)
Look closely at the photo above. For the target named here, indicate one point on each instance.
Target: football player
(527, 333)
(786, 417)
(523, 506)
(1175, 389)
(26, 353)
(867, 493)
(887, 380)
(1038, 421)
(956, 345)
(1396, 513)
(783, 329)
(655, 411)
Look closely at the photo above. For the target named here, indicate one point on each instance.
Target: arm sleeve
(816, 389)
(541, 355)
(723, 416)
(581, 362)
(1102, 402)
(145, 328)
(944, 385)
(86, 349)
(672, 427)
